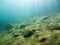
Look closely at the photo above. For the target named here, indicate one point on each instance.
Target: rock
(16, 35)
(54, 26)
(37, 35)
(28, 34)
(9, 26)
(45, 18)
(8, 32)
(42, 40)
(33, 30)
(22, 26)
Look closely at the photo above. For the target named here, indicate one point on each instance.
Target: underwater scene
(29, 22)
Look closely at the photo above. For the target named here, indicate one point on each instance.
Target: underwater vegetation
(41, 30)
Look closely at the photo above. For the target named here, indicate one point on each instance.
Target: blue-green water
(17, 10)
(29, 22)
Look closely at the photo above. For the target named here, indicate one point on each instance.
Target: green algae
(43, 30)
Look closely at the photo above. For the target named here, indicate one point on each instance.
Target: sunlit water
(18, 10)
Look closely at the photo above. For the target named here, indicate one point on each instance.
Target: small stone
(22, 26)
(33, 30)
(42, 40)
(37, 35)
(16, 35)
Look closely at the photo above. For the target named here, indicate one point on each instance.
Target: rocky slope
(44, 30)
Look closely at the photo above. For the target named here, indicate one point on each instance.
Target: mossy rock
(16, 35)
(27, 33)
(22, 26)
(9, 26)
(54, 26)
